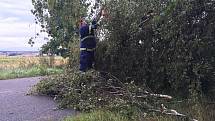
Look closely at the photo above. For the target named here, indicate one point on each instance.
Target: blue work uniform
(87, 46)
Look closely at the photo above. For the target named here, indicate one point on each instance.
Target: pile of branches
(101, 90)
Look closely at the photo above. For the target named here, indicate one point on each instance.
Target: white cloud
(17, 25)
(12, 28)
(12, 43)
(8, 20)
(16, 4)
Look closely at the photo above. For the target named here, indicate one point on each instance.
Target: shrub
(176, 49)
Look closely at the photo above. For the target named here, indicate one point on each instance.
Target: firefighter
(88, 42)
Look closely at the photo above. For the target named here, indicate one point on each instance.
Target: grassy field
(17, 67)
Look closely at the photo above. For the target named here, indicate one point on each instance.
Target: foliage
(170, 52)
(59, 19)
(99, 90)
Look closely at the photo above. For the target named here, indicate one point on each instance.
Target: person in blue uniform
(87, 43)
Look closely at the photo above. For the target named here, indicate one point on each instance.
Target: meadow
(17, 66)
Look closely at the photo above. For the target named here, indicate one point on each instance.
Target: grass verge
(98, 116)
(28, 72)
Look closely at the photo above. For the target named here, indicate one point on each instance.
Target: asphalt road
(15, 105)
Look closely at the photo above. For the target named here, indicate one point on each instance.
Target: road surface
(15, 105)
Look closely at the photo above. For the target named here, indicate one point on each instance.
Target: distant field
(28, 62)
(15, 67)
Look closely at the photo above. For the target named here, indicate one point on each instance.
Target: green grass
(111, 116)
(28, 72)
(98, 116)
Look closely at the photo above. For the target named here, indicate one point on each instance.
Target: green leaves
(59, 19)
(177, 43)
(174, 49)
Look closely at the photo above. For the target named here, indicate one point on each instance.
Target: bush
(176, 49)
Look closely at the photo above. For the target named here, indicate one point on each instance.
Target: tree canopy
(58, 18)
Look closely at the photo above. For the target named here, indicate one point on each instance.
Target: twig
(159, 95)
(172, 113)
(162, 96)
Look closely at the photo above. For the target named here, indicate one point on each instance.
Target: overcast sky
(17, 26)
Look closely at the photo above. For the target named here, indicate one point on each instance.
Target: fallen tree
(101, 90)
